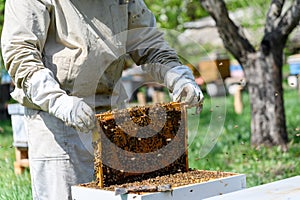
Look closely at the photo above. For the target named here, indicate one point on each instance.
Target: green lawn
(12, 187)
(231, 152)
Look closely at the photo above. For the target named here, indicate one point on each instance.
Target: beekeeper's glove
(44, 91)
(180, 81)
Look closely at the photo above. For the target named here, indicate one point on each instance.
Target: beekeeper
(65, 58)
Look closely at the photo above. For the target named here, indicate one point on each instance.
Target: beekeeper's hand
(44, 91)
(74, 112)
(180, 81)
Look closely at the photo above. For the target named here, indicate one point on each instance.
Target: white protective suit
(76, 48)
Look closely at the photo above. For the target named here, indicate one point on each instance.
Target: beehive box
(195, 184)
(214, 70)
(18, 125)
(140, 142)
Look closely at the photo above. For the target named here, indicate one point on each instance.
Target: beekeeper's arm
(23, 38)
(148, 48)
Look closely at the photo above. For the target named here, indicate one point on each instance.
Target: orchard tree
(262, 66)
(171, 14)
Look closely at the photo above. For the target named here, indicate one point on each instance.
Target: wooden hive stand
(19, 136)
(21, 161)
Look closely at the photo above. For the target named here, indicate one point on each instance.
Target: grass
(224, 148)
(12, 187)
(233, 152)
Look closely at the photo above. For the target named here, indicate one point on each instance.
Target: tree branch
(290, 19)
(273, 14)
(231, 34)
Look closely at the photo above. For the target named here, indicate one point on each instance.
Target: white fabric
(59, 156)
(83, 42)
(45, 92)
(74, 112)
(180, 81)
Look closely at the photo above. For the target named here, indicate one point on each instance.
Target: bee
(140, 129)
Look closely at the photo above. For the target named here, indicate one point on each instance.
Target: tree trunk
(268, 127)
(263, 67)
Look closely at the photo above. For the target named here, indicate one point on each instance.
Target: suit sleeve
(23, 37)
(146, 44)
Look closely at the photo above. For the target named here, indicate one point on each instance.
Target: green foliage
(236, 4)
(2, 3)
(171, 14)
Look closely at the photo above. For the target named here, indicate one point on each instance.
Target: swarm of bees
(179, 179)
(140, 142)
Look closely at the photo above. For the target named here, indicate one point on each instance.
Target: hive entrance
(141, 142)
